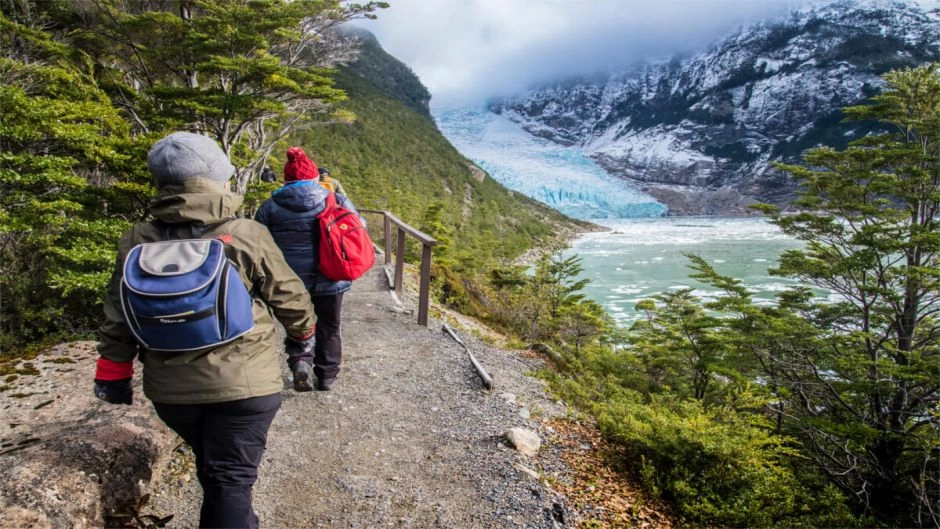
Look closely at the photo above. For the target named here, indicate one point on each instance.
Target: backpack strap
(325, 183)
(169, 231)
(200, 231)
(329, 204)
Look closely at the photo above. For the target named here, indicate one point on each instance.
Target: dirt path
(408, 437)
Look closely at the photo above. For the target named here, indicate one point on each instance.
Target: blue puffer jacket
(290, 215)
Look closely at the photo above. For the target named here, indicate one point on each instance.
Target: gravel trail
(408, 437)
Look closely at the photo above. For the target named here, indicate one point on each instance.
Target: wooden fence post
(427, 247)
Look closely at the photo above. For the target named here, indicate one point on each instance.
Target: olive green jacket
(246, 367)
(332, 184)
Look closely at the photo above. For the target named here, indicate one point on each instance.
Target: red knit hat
(298, 166)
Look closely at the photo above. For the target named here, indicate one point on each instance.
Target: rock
(525, 441)
(700, 200)
(526, 470)
(68, 459)
(478, 174)
(547, 351)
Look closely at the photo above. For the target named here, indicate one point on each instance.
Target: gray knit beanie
(184, 155)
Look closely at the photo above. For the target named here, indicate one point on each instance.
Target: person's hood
(199, 201)
(303, 195)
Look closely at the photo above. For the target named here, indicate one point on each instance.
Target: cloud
(465, 51)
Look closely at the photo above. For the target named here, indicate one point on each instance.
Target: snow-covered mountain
(699, 133)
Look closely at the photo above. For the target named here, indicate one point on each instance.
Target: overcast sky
(466, 50)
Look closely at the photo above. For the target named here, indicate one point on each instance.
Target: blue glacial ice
(561, 177)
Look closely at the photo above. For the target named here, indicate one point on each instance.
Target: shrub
(720, 466)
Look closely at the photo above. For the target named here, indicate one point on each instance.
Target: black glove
(300, 346)
(115, 391)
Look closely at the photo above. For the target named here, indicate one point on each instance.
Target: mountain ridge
(700, 132)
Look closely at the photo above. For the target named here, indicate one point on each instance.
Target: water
(639, 258)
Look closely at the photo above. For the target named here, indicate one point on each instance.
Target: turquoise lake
(638, 258)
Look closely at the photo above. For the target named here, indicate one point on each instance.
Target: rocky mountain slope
(700, 132)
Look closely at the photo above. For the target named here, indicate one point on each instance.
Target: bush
(719, 466)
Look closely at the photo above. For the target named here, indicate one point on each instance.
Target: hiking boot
(302, 375)
(324, 384)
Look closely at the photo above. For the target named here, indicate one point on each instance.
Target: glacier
(564, 178)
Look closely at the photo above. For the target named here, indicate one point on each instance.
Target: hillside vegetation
(393, 157)
(89, 86)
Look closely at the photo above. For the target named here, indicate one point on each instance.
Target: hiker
(329, 182)
(268, 174)
(221, 400)
(290, 213)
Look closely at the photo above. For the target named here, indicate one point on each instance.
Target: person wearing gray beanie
(220, 399)
(183, 155)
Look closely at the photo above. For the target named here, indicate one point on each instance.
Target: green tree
(864, 394)
(247, 73)
(554, 279)
(69, 184)
(677, 344)
(433, 224)
(583, 323)
(545, 302)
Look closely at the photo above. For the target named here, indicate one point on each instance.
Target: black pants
(328, 353)
(329, 350)
(228, 439)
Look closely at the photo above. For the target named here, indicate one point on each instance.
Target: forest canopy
(88, 86)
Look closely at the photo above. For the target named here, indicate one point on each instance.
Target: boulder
(525, 441)
(68, 459)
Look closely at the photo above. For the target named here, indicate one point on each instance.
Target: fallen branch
(484, 376)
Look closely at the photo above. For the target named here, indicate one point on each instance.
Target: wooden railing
(427, 244)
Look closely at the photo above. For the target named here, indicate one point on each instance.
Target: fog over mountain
(700, 132)
(468, 51)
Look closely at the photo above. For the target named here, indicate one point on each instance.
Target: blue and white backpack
(182, 295)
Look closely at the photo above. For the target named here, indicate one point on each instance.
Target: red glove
(108, 370)
(113, 381)
(313, 330)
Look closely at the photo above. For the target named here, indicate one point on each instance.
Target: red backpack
(346, 250)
